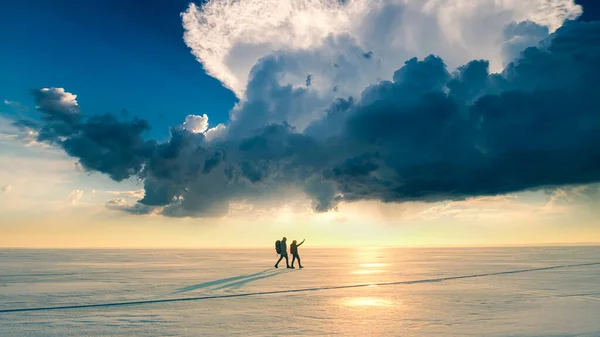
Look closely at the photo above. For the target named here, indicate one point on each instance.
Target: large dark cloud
(106, 145)
(427, 135)
(535, 126)
(101, 143)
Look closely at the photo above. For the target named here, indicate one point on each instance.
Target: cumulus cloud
(102, 143)
(529, 128)
(75, 196)
(229, 37)
(217, 132)
(56, 104)
(6, 188)
(196, 124)
(426, 134)
(519, 36)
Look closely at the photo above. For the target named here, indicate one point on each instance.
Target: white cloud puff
(217, 132)
(195, 123)
(75, 196)
(57, 103)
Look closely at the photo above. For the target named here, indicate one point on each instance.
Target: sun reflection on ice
(373, 265)
(367, 271)
(370, 268)
(366, 302)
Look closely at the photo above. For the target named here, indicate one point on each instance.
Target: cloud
(196, 124)
(75, 196)
(16, 105)
(217, 132)
(115, 202)
(56, 104)
(229, 37)
(477, 207)
(6, 188)
(268, 101)
(583, 197)
(7, 137)
(120, 204)
(533, 130)
(426, 135)
(20, 131)
(521, 35)
(136, 194)
(101, 143)
(107, 145)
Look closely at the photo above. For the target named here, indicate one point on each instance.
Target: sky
(224, 123)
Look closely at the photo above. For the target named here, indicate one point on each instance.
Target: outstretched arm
(301, 242)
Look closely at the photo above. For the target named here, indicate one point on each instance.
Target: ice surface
(564, 301)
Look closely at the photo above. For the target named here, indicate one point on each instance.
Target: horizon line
(367, 246)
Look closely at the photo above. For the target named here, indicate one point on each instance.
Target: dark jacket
(294, 248)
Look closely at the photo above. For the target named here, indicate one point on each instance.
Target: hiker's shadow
(233, 282)
(238, 284)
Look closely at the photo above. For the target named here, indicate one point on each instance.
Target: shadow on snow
(232, 282)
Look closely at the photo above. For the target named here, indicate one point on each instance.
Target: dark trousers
(286, 260)
(296, 256)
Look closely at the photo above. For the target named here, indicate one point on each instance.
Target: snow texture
(542, 291)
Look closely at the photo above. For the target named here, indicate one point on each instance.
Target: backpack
(278, 246)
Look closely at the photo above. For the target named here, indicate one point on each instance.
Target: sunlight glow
(374, 265)
(366, 302)
(367, 271)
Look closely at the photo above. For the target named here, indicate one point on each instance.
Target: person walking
(282, 253)
(294, 252)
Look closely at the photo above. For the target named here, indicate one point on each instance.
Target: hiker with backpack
(294, 252)
(281, 249)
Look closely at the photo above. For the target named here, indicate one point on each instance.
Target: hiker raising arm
(294, 250)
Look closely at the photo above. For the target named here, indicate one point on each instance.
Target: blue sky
(591, 10)
(374, 149)
(114, 54)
